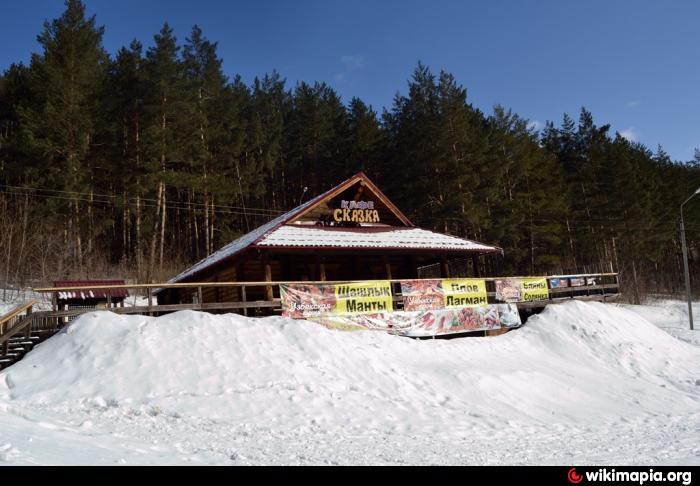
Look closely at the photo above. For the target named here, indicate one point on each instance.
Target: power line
(120, 199)
(146, 204)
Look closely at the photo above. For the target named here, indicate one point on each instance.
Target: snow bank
(229, 366)
(581, 380)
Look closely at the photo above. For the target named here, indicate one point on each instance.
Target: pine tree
(60, 119)
(163, 100)
(122, 122)
(367, 142)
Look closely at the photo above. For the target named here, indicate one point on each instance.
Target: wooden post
(475, 265)
(150, 303)
(320, 261)
(199, 296)
(444, 267)
(268, 277)
(109, 298)
(412, 266)
(387, 267)
(243, 298)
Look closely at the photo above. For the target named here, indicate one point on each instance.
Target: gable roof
(359, 177)
(265, 235)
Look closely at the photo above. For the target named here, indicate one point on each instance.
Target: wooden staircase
(17, 337)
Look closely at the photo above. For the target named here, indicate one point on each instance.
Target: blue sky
(634, 64)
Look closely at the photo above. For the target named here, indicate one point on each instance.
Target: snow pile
(570, 384)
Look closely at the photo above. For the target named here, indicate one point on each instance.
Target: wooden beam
(268, 276)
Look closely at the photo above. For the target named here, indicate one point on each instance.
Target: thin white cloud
(353, 62)
(630, 134)
(350, 64)
(534, 125)
(633, 104)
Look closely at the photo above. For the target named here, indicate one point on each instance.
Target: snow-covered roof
(243, 242)
(297, 236)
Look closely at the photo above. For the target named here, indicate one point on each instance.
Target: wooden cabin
(350, 232)
(88, 298)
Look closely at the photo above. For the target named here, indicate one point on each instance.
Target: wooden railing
(598, 286)
(14, 322)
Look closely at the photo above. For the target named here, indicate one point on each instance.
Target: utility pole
(685, 262)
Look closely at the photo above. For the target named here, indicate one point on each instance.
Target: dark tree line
(153, 158)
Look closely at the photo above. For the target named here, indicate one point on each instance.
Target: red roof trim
(96, 294)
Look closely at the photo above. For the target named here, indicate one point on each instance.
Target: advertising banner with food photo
(441, 294)
(450, 321)
(422, 295)
(435, 322)
(526, 289)
(432, 307)
(300, 301)
(508, 290)
(308, 300)
(464, 292)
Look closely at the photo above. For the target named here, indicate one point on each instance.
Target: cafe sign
(356, 212)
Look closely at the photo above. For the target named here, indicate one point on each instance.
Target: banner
(508, 290)
(465, 292)
(308, 300)
(441, 294)
(431, 307)
(558, 283)
(534, 289)
(522, 289)
(426, 323)
(422, 295)
(363, 298)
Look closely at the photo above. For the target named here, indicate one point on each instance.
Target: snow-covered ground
(10, 298)
(581, 383)
(672, 317)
